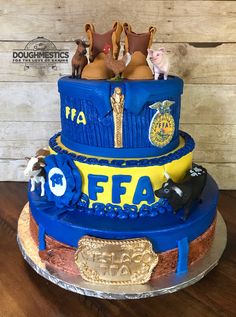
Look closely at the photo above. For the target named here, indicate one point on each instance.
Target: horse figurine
(79, 60)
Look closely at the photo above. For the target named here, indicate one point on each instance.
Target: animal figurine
(186, 193)
(160, 62)
(79, 60)
(117, 66)
(35, 169)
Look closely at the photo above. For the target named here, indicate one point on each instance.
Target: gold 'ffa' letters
(73, 115)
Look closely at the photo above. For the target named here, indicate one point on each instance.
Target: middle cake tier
(123, 185)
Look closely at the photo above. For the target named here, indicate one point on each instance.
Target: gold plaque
(120, 262)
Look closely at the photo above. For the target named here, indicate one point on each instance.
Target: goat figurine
(35, 169)
(79, 60)
(186, 193)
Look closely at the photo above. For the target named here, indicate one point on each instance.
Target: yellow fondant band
(176, 169)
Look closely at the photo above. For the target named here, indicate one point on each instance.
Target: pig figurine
(186, 193)
(160, 62)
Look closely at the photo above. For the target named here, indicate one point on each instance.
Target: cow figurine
(79, 60)
(35, 169)
(186, 193)
(160, 62)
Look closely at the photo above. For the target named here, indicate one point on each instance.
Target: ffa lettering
(73, 115)
(143, 192)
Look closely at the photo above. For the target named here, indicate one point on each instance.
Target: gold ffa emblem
(162, 126)
(115, 262)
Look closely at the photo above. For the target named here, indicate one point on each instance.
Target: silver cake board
(163, 285)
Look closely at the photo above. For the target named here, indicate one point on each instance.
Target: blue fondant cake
(120, 144)
(69, 225)
(88, 123)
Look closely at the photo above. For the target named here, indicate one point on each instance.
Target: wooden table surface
(24, 293)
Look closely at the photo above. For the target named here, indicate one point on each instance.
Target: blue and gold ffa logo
(162, 126)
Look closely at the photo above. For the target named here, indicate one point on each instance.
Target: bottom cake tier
(119, 251)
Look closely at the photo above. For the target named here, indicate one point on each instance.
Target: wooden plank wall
(200, 37)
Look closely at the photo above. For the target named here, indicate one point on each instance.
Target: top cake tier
(120, 118)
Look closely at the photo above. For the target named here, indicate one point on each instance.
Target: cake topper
(79, 60)
(117, 66)
(137, 44)
(35, 169)
(160, 62)
(97, 69)
(104, 51)
(186, 193)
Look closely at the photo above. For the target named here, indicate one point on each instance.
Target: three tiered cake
(120, 201)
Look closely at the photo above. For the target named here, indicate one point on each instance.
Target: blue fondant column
(183, 250)
(41, 238)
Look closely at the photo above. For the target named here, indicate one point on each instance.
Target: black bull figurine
(186, 193)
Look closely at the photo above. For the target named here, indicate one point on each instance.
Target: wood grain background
(200, 37)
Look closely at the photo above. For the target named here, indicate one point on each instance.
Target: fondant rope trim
(159, 161)
(127, 211)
